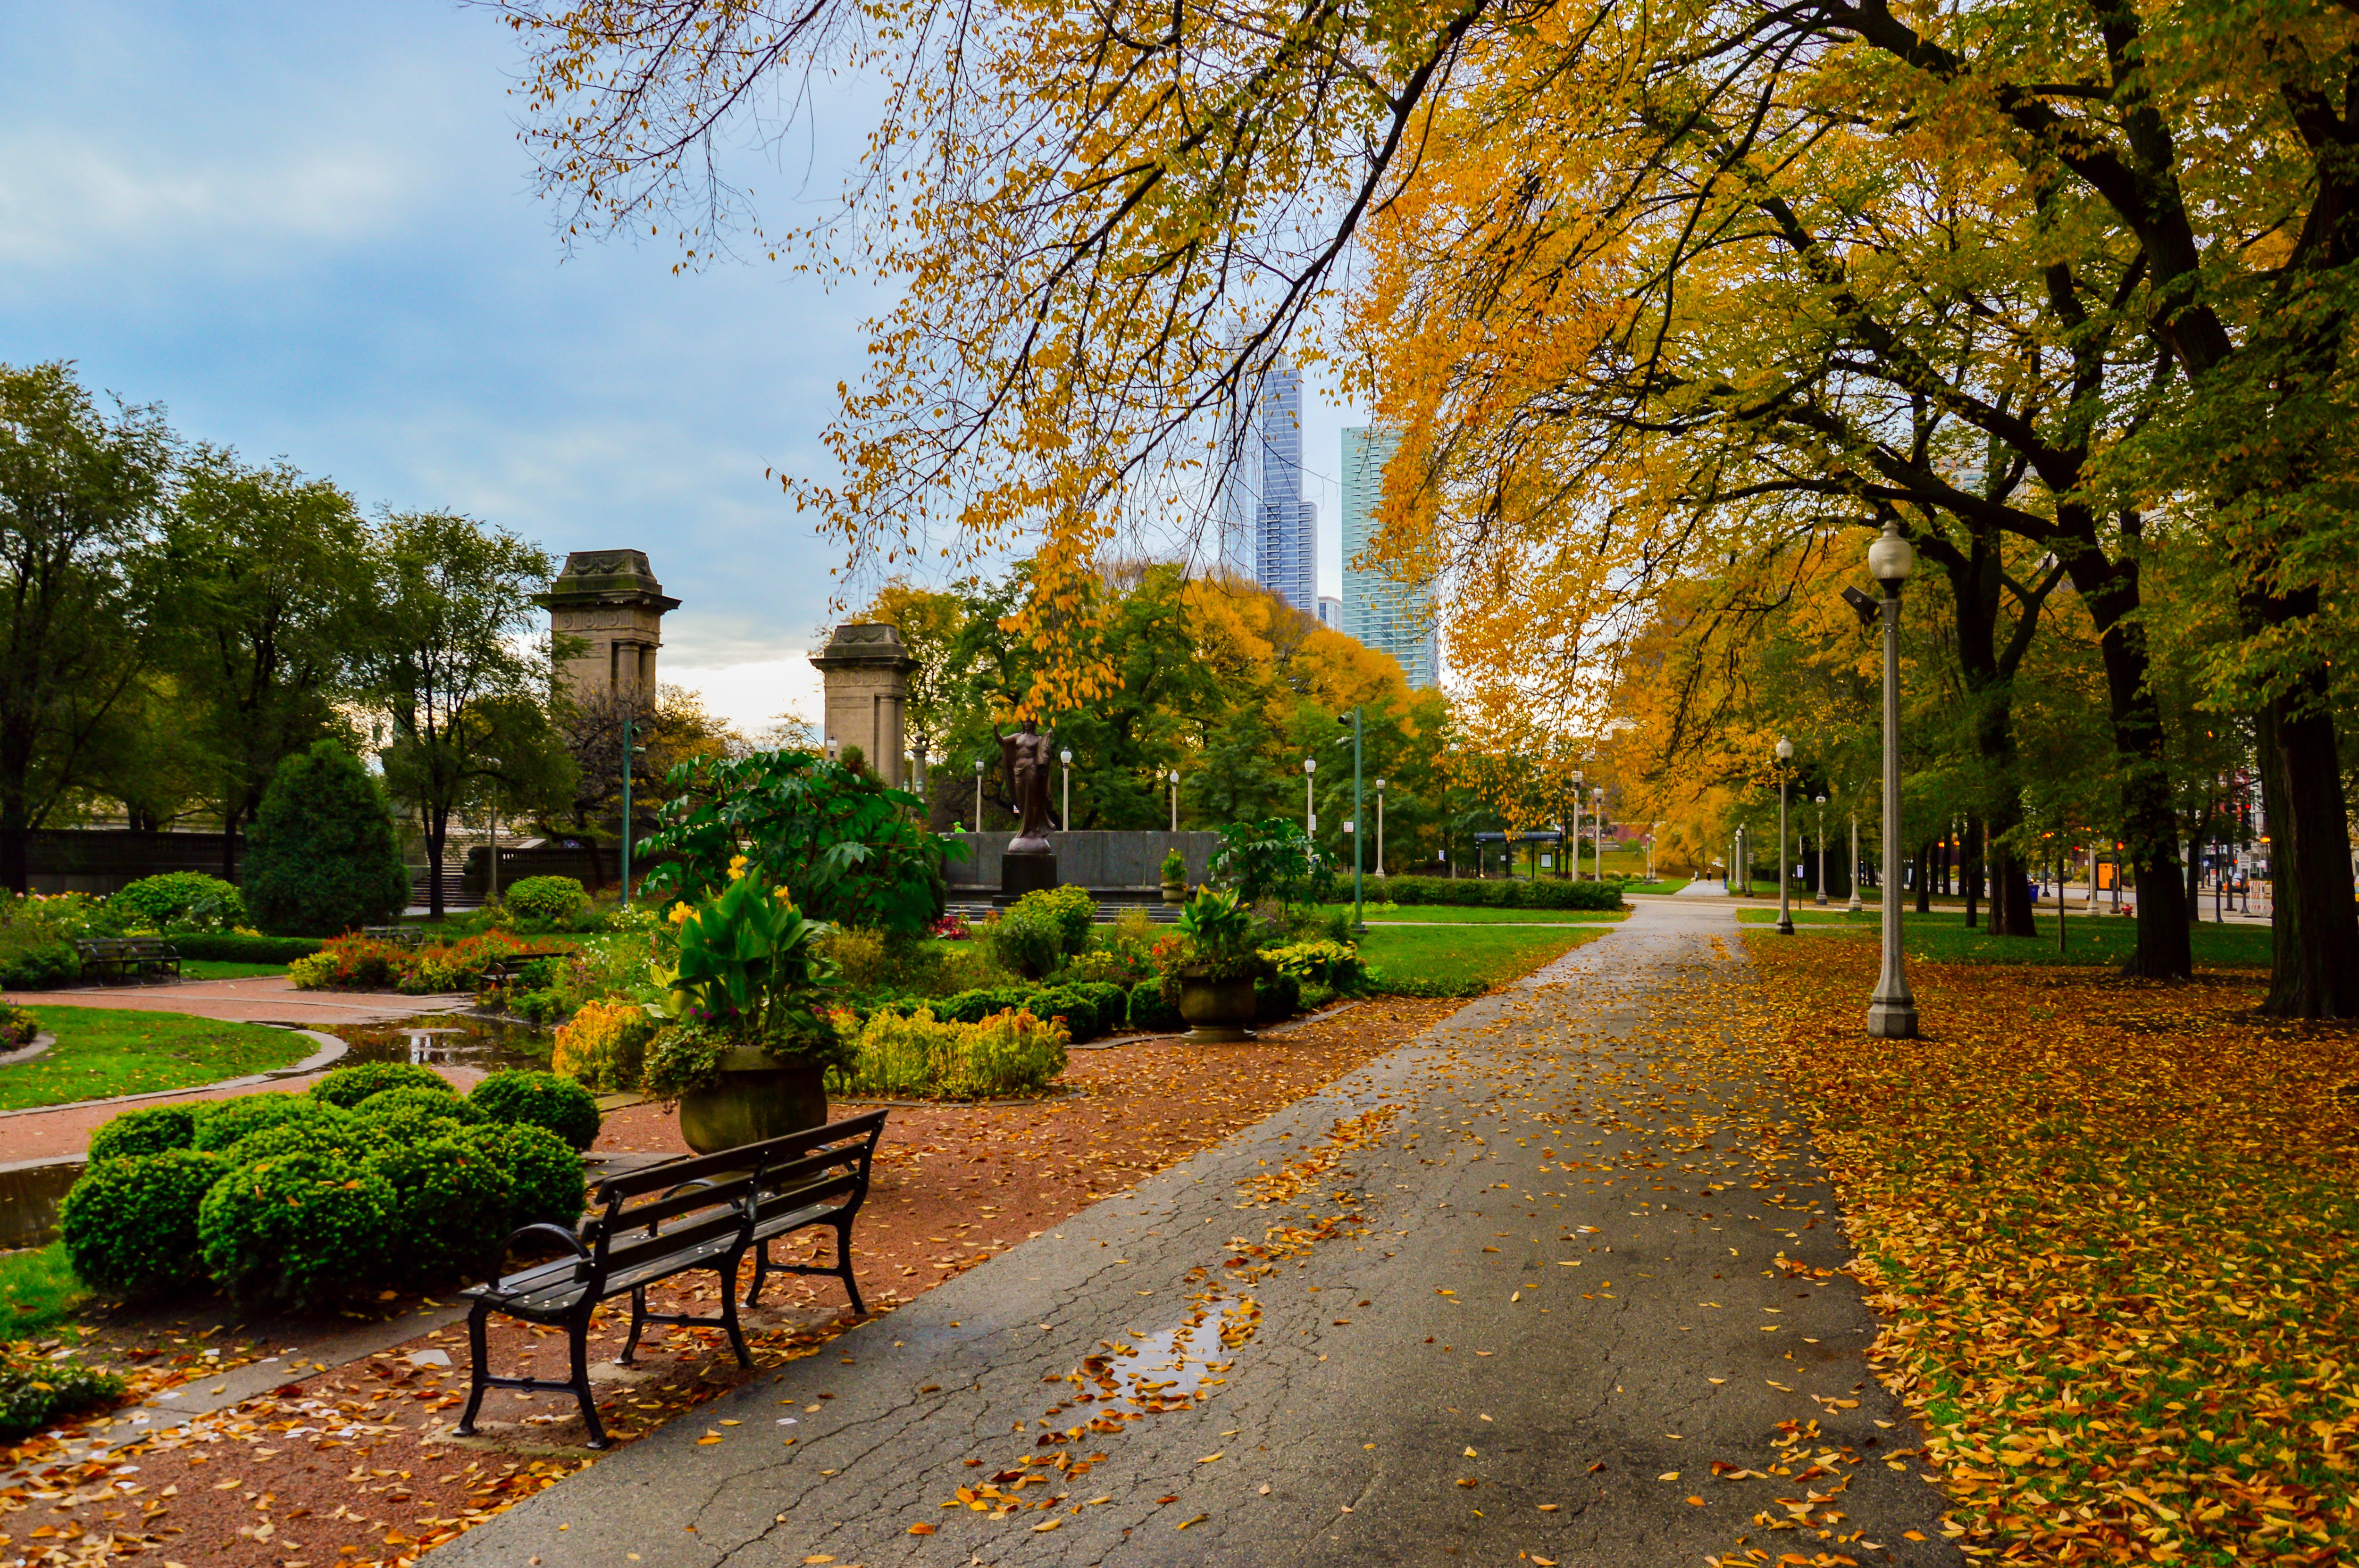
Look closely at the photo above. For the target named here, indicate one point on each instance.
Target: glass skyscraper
(1286, 526)
(1392, 617)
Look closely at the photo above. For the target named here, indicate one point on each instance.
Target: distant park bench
(128, 960)
(399, 935)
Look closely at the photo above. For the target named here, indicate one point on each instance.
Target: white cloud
(752, 695)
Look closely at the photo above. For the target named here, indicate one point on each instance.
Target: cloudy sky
(307, 230)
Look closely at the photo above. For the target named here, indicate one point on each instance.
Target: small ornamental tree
(323, 858)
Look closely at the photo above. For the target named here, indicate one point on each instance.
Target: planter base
(1219, 1010)
(751, 1104)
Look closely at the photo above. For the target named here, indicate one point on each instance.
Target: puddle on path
(450, 1040)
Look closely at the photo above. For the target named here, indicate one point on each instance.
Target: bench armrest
(555, 1232)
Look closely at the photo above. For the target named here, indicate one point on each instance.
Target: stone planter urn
(759, 1097)
(1216, 1011)
(1174, 891)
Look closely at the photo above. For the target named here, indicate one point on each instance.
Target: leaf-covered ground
(2111, 1225)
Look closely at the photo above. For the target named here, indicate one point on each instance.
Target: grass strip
(1479, 914)
(2094, 941)
(1447, 961)
(2111, 1230)
(38, 1291)
(103, 1051)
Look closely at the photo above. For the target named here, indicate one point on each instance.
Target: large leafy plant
(749, 966)
(1220, 926)
(1271, 859)
(841, 842)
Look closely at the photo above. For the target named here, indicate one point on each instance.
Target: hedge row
(1089, 1007)
(381, 1175)
(238, 947)
(1496, 893)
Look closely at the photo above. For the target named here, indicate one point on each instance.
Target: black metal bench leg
(638, 1321)
(761, 1272)
(729, 1316)
(579, 1337)
(844, 1268)
(478, 1372)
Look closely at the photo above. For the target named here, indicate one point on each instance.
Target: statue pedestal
(1029, 866)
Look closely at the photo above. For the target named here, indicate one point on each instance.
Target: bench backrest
(805, 1168)
(125, 947)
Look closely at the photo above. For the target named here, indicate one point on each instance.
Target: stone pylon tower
(610, 601)
(864, 674)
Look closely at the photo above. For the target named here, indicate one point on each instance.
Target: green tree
(448, 654)
(81, 495)
(267, 571)
(322, 857)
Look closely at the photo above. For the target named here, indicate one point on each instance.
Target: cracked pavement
(1558, 1249)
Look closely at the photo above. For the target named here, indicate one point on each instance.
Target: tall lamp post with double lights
(1892, 1010)
(1785, 842)
(1820, 864)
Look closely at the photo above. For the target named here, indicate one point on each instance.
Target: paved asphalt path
(1481, 1314)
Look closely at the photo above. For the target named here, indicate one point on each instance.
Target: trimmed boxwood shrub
(391, 1105)
(1496, 892)
(241, 947)
(450, 1208)
(321, 857)
(548, 900)
(225, 1122)
(130, 1224)
(150, 1132)
(347, 1086)
(1149, 1011)
(296, 1231)
(539, 1100)
(545, 1186)
(36, 963)
(1111, 1001)
(1277, 996)
(347, 1138)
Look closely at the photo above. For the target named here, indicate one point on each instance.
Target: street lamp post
(1175, 800)
(1596, 829)
(1854, 907)
(1785, 912)
(1575, 845)
(1359, 829)
(626, 814)
(1892, 1010)
(1065, 817)
(1309, 810)
(978, 794)
(1380, 828)
(1820, 864)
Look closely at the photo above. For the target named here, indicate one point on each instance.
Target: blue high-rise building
(1286, 526)
(1396, 617)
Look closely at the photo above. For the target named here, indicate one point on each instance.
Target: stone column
(610, 605)
(865, 678)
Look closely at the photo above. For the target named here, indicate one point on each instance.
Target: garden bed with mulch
(353, 1464)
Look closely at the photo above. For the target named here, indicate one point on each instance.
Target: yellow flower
(738, 864)
(682, 914)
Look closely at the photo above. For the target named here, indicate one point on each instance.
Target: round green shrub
(1149, 1011)
(416, 1125)
(35, 964)
(540, 1099)
(226, 1122)
(130, 1223)
(321, 858)
(545, 1181)
(545, 898)
(176, 900)
(347, 1086)
(450, 1208)
(345, 1139)
(150, 1132)
(297, 1231)
(440, 1100)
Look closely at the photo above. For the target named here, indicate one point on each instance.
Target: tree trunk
(2314, 927)
(229, 844)
(1970, 867)
(437, 831)
(2010, 896)
(1925, 880)
(14, 835)
(2149, 822)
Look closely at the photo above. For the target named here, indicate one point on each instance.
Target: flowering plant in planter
(750, 978)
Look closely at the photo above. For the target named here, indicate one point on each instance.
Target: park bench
(504, 969)
(698, 1212)
(399, 935)
(135, 960)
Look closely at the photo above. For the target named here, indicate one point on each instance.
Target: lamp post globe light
(1380, 828)
(1853, 907)
(1785, 910)
(1577, 777)
(978, 794)
(1891, 1010)
(1065, 817)
(1309, 810)
(1175, 800)
(1819, 864)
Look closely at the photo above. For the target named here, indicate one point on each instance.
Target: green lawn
(1479, 914)
(225, 970)
(38, 1290)
(1462, 961)
(101, 1053)
(1942, 937)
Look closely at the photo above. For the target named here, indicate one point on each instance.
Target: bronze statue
(1024, 756)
